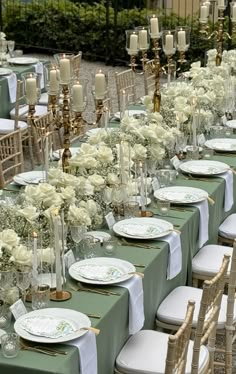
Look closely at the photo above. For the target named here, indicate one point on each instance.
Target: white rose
(29, 213)
(69, 180)
(54, 176)
(105, 154)
(88, 189)
(9, 239)
(84, 161)
(21, 255)
(78, 216)
(157, 153)
(55, 200)
(12, 295)
(68, 194)
(48, 212)
(32, 194)
(140, 152)
(88, 150)
(92, 207)
(112, 178)
(155, 116)
(97, 181)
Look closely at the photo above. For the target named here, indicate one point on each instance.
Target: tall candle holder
(141, 175)
(183, 42)
(169, 48)
(66, 155)
(132, 47)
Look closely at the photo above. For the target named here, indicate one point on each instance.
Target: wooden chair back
(11, 157)
(20, 100)
(149, 78)
(208, 316)
(76, 64)
(41, 128)
(125, 82)
(176, 358)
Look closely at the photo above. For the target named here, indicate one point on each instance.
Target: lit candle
(65, 69)
(133, 44)
(122, 164)
(169, 44)
(143, 42)
(182, 40)
(100, 85)
(77, 96)
(31, 90)
(234, 12)
(46, 156)
(54, 83)
(204, 12)
(208, 4)
(35, 259)
(154, 26)
(56, 221)
(221, 4)
(123, 104)
(142, 195)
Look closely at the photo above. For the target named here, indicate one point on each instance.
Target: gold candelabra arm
(204, 31)
(156, 70)
(99, 111)
(182, 59)
(220, 37)
(79, 124)
(53, 104)
(144, 59)
(133, 62)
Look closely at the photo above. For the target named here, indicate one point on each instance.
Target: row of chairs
(152, 352)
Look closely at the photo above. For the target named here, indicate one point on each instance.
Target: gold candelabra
(66, 121)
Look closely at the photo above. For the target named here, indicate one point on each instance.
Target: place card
(110, 220)
(175, 162)
(18, 309)
(201, 140)
(69, 259)
(155, 184)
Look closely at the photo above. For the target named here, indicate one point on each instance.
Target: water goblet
(11, 47)
(6, 279)
(23, 280)
(77, 234)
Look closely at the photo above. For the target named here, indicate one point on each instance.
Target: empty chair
(41, 128)
(227, 230)
(149, 78)
(125, 82)
(155, 352)
(11, 157)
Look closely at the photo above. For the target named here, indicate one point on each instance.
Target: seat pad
(209, 259)
(7, 125)
(145, 353)
(228, 228)
(40, 110)
(173, 308)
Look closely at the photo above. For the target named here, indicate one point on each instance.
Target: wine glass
(23, 280)
(11, 47)
(77, 234)
(6, 279)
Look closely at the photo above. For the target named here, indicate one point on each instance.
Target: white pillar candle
(65, 69)
(154, 26)
(169, 44)
(54, 83)
(35, 260)
(100, 85)
(204, 12)
(46, 156)
(133, 44)
(181, 40)
(56, 221)
(234, 12)
(143, 42)
(208, 4)
(221, 4)
(31, 90)
(77, 96)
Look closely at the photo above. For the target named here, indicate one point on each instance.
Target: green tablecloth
(114, 309)
(5, 104)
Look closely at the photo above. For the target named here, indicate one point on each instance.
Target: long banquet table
(114, 309)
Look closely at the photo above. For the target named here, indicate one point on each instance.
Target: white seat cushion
(145, 352)
(209, 259)
(43, 99)
(7, 125)
(228, 228)
(172, 310)
(40, 110)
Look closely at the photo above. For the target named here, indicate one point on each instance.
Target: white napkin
(174, 266)
(204, 221)
(39, 69)
(229, 195)
(87, 347)
(11, 79)
(136, 309)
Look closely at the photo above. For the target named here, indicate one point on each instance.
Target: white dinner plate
(138, 199)
(100, 235)
(102, 270)
(132, 113)
(56, 154)
(75, 319)
(22, 60)
(187, 146)
(231, 123)
(142, 228)
(30, 177)
(4, 71)
(204, 167)
(222, 144)
(181, 195)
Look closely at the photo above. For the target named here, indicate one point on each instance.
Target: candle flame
(63, 56)
(140, 164)
(35, 235)
(154, 16)
(55, 212)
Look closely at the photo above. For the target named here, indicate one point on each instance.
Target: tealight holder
(143, 42)
(154, 26)
(183, 42)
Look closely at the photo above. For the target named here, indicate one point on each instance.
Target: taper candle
(100, 85)
(169, 46)
(56, 221)
(181, 40)
(154, 27)
(46, 156)
(65, 70)
(143, 41)
(54, 83)
(77, 96)
(133, 44)
(31, 90)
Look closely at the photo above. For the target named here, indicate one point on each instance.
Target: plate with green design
(204, 167)
(181, 194)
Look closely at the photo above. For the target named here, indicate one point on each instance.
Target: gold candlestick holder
(99, 111)
(78, 123)
(133, 64)
(182, 58)
(31, 128)
(144, 59)
(53, 104)
(66, 121)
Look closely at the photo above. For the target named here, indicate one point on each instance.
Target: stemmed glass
(77, 234)
(181, 143)
(11, 47)
(23, 280)
(6, 279)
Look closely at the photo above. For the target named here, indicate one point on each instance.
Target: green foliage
(74, 25)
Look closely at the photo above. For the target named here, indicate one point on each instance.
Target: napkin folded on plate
(229, 195)
(39, 69)
(204, 221)
(174, 266)
(87, 348)
(11, 80)
(136, 309)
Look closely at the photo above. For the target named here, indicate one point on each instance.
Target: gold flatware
(147, 246)
(53, 350)
(182, 209)
(139, 265)
(92, 291)
(91, 315)
(33, 349)
(211, 201)
(155, 214)
(137, 273)
(108, 292)
(93, 329)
